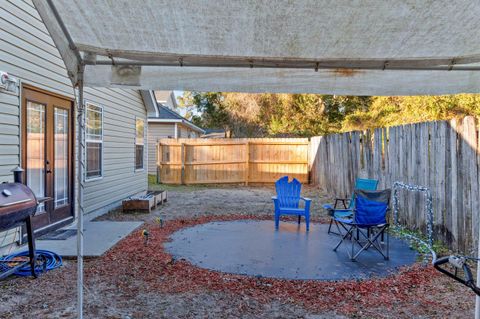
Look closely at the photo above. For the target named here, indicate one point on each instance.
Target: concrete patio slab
(255, 248)
(99, 237)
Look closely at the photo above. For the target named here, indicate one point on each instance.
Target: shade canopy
(372, 47)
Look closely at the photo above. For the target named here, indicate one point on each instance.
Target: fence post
(182, 156)
(247, 162)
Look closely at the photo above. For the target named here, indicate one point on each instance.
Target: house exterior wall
(28, 53)
(157, 131)
(186, 132)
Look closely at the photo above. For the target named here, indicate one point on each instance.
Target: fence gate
(218, 161)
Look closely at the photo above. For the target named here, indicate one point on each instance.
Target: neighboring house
(214, 133)
(37, 127)
(167, 98)
(165, 123)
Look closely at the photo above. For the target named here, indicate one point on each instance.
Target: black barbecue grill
(17, 206)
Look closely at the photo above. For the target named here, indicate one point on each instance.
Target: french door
(47, 151)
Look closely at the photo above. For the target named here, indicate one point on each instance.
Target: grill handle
(14, 203)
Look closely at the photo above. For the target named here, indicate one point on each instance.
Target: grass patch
(407, 234)
(154, 186)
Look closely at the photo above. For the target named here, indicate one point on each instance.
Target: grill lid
(13, 194)
(17, 202)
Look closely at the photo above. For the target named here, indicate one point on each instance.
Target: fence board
(462, 238)
(454, 182)
(423, 175)
(202, 161)
(386, 159)
(469, 143)
(442, 171)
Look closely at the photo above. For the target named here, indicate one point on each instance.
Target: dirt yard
(198, 201)
(137, 281)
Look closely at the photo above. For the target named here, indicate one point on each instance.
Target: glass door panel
(61, 183)
(47, 153)
(36, 132)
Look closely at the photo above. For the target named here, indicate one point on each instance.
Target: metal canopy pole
(80, 177)
(372, 65)
(80, 156)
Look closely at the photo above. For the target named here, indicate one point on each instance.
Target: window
(139, 142)
(94, 141)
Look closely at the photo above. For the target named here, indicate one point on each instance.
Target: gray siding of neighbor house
(186, 132)
(28, 53)
(157, 131)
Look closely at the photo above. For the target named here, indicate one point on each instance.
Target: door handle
(48, 171)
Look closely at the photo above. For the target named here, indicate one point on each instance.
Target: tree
(282, 115)
(395, 110)
(211, 107)
(243, 114)
(308, 114)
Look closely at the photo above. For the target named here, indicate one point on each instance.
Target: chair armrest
(308, 202)
(275, 204)
(342, 213)
(343, 200)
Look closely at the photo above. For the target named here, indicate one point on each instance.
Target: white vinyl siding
(157, 131)
(183, 131)
(9, 135)
(186, 132)
(28, 53)
(120, 109)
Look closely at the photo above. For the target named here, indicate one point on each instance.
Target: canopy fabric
(351, 82)
(372, 47)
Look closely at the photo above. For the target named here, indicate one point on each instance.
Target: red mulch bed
(412, 287)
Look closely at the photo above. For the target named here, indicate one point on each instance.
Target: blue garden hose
(50, 260)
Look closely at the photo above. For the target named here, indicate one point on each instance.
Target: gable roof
(163, 114)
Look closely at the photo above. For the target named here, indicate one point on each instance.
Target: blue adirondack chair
(288, 199)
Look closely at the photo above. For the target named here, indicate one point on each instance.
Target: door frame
(71, 153)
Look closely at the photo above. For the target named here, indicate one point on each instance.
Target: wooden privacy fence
(442, 155)
(206, 161)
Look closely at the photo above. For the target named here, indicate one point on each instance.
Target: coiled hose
(48, 261)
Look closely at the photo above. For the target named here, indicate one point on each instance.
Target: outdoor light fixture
(126, 75)
(8, 82)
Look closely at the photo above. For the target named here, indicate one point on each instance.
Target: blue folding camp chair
(336, 212)
(288, 199)
(369, 221)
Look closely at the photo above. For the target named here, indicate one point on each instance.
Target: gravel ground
(137, 281)
(197, 201)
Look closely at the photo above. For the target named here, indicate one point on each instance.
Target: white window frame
(143, 144)
(94, 178)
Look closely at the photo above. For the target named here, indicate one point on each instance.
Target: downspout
(176, 130)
